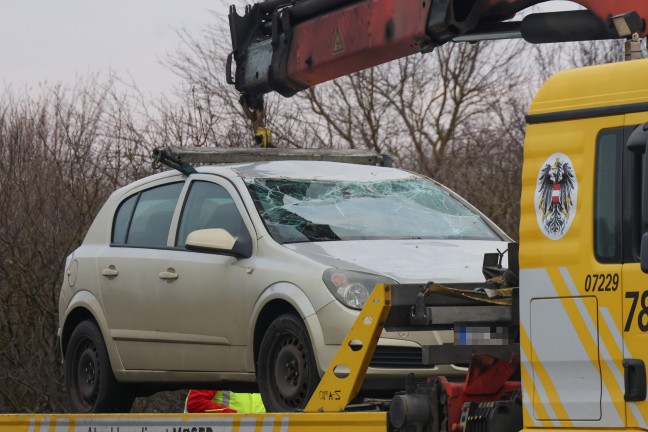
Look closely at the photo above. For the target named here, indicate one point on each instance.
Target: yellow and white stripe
(571, 362)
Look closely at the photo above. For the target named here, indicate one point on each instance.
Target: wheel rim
(87, 378)
(291, 371)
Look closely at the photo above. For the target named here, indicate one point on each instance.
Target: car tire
(286, 369)
(90, 383)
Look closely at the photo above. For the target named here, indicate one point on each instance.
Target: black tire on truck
(286, 369)
(90, 383)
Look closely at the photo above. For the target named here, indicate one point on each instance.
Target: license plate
(481, 335)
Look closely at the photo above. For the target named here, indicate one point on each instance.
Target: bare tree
(208, 112)
(51, 189)
(61, 155)
(551, 58)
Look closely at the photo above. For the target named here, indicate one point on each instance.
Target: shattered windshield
(416, 208)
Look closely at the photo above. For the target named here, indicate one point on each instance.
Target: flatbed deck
(277, 422)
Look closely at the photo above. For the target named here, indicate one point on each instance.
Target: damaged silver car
(250, 275)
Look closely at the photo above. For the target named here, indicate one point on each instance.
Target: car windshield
(416, 208)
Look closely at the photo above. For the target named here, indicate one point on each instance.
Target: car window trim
(139, 192)
(130, 218)
(226, 184)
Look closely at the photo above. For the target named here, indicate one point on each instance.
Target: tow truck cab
(583, 294)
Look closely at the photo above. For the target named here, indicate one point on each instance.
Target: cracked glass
(310, 210)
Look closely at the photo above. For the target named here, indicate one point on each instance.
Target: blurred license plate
(481, 335)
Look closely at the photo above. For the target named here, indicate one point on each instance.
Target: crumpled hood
(406, 261)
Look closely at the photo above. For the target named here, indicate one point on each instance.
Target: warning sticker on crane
(556, 196)
(338, 43)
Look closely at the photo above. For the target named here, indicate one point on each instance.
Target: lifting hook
(256, 114)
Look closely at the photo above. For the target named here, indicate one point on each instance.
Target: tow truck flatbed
(281, 422)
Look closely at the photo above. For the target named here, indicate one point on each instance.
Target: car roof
(297, 170)
(308, 170)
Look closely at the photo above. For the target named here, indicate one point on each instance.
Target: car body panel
(129, 301)
(406, 261)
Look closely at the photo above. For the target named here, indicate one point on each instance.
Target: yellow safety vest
(241, 402)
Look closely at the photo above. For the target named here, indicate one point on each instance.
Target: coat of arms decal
(556, 196)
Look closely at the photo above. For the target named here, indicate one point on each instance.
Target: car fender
(294, 296)
(88, 301)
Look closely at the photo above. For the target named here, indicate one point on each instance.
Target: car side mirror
(218, 240)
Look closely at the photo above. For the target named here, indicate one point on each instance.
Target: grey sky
(60, 40)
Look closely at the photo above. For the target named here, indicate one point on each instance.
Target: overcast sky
(57, 41)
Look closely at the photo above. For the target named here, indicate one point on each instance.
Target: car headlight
(352, 288)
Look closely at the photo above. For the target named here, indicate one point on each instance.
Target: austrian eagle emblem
(556, 196)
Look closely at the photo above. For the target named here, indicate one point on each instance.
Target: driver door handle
(168, 275)
(110, 272)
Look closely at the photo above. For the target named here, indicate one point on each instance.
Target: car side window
(151, 217)
(208, 205)
(122, 220)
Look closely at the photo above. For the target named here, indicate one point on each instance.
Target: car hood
(406, 261)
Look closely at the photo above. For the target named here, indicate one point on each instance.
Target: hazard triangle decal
(338, 44)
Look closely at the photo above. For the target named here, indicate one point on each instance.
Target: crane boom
(290, 45)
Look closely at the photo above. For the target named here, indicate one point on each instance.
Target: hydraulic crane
(290, 45)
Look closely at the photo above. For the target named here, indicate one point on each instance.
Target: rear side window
(208, 205)
(146, 222)
(122, 220)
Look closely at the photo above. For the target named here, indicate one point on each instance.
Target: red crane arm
(290, 45)
(348, 40)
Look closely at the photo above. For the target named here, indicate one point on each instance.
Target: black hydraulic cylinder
(568, 26)
(410, 409)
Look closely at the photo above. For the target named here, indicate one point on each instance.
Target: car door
(130, 269)
(209, 304)
(570, 282)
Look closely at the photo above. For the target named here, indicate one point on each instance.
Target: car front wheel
(286, 371)
(91, 385)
